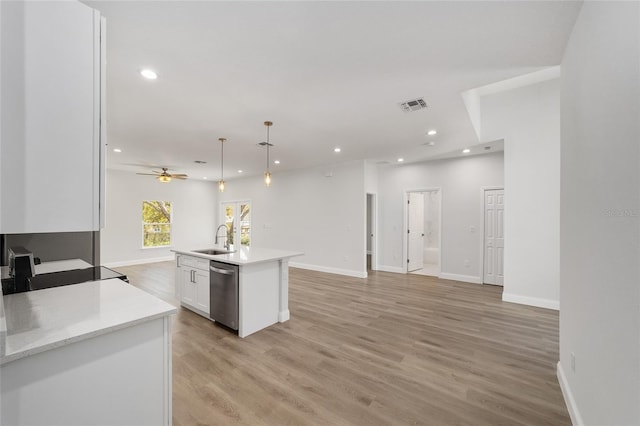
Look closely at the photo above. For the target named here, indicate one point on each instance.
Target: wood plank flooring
(391, 349)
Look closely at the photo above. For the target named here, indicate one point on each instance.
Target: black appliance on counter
(21, 268)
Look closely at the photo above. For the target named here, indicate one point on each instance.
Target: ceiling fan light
(221, 185)
(267, 178)
(164, 178)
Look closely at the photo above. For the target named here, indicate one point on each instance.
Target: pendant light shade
(221, 181)
(267, 174)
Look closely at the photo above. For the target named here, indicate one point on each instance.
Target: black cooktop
(57, 279)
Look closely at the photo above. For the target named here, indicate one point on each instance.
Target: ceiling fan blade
(181, 177)
(178, 175)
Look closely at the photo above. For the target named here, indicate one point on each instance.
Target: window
(156, 224)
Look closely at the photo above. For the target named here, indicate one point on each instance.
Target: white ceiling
(326, 73)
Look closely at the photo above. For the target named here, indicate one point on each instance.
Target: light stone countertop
(243, 255)
(40, 320)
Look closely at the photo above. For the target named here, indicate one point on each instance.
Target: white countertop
(37, 321)
(243, 255)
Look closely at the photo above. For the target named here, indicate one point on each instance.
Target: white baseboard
(463, 278)
(139, 261)
(330, 270)
(576, 418)
(394, 269)
(531, 301)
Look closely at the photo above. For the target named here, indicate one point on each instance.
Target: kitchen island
(92, 353)
(263, 284)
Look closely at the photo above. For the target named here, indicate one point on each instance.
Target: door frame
(484, 189)
(221, 216)
(405, 227)
(374, 231)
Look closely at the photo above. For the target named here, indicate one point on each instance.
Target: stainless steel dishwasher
(223, 295)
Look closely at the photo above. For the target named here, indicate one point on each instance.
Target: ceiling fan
(165, 176)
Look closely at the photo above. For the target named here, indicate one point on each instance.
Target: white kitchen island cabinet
(192, 283)
(263, 284)
(94, 353)
(53, 115)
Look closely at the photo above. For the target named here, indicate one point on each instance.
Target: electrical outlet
(467, 263)
(573, 362)
(346, 258)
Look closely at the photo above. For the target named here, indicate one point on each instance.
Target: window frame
(143, 223)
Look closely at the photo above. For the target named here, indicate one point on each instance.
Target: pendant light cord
(268, 148)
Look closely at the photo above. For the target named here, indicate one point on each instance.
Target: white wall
(528, 119)
(195, 211)
(304, 210)
(600, 208)
(461, 181)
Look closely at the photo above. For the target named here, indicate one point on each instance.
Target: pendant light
(221, 181)
(267, 174)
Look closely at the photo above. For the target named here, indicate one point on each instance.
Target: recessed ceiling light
(432, 132)
(276, 162)
(239, 171)
(205, 178)
(117, 150)
(337, 149)
(400, 160)
(466, 151)
(149, 74)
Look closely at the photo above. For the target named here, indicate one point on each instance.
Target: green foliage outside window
(156, 223)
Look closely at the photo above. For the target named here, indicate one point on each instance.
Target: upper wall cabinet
(52, 117)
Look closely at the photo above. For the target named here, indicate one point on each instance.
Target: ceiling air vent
(413, 105)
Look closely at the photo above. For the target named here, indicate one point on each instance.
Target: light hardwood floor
(392, 349)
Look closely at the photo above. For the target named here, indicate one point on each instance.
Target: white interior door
(415, 249)
(494, 237)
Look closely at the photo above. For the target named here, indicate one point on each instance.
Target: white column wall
(194, 215)
(528, 119)
(600, 214)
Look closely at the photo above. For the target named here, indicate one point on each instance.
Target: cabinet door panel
(202, 285)
(52, 168)
(188, 293)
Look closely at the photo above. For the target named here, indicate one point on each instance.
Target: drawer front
(194, 262)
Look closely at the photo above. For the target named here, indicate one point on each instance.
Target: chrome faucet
(226, 236)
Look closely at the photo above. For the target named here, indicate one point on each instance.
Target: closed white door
(494, 237)
(415, 247)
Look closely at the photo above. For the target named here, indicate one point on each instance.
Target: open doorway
(371, 258)
(423, 232)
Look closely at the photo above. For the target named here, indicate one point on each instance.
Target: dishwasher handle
(221, 271)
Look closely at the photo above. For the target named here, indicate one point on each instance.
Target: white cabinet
(52, 115)
(193, 283)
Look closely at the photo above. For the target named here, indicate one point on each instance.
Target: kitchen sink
(212, 252)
